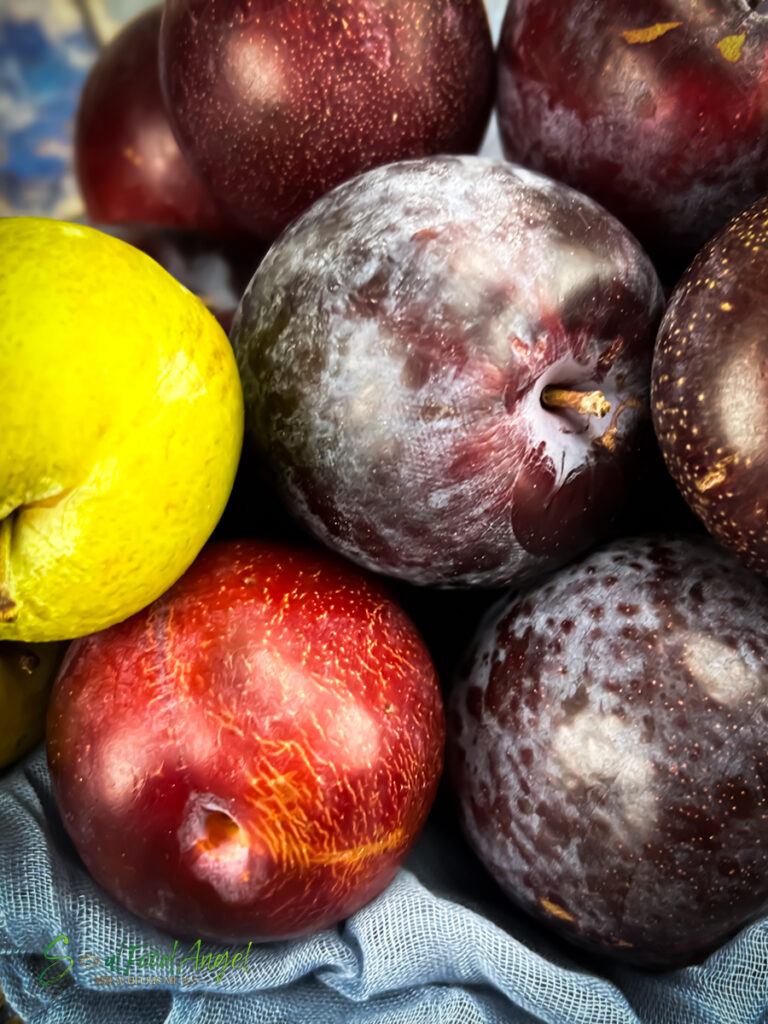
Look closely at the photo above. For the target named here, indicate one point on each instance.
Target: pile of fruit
(541, 381)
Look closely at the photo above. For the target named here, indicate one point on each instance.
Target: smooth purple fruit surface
(129, 166)
(609, 750)
(395, 345)
(710, 386)
(657, 108)
(275, 103)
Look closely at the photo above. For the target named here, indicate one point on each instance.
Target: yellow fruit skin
(26, 675)
(121, 423)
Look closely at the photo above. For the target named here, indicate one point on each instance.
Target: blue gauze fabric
(440, 946)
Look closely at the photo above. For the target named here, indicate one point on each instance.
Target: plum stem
(589, 403)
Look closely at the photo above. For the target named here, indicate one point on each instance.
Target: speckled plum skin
(130, 169)
(276, 103)
(657, 108)
(394, 345)
(608, 746)
(710, 386)
(252, 756)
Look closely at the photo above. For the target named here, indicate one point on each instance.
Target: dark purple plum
(275, 103)
(409, 350)
(609, 749)
(129, 166)
(710, 386)
(656, 108)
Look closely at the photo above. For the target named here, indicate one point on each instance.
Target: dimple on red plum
(252, 756)
(710, 386)
(275, 103)
(657, 108)
(428, 356)
(609, 752)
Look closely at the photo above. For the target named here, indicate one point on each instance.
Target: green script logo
(140, 957)
(57, 960)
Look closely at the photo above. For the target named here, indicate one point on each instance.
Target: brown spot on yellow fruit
(647, 35)
(8, 608)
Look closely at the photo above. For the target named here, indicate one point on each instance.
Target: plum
(129, 166)
(656, 109)
(609, 753)
(275, 103)
(710, 386)
(427, 355)
(252, 756)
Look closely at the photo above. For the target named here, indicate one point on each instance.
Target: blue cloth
(440, 945)
(46, 49)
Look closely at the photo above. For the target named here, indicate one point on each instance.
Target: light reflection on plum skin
(130, 169)
(345, 87)
(612, 771)
(393, 348)
(252, 757)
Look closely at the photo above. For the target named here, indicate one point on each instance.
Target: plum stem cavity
(220, 828)
(589, 403)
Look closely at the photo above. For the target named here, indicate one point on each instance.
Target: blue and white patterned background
(46, 49)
